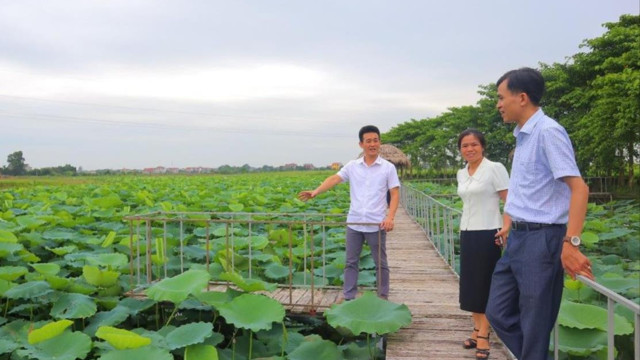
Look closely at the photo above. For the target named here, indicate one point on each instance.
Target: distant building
(336, 166)
(308, 166)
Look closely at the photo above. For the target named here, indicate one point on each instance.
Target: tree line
(16, 166)
(594, 94)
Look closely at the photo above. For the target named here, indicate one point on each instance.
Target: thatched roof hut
(394, 156)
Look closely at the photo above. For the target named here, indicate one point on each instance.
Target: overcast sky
(133, 84)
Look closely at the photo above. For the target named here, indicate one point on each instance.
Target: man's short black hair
(368, 129)
(526, 80)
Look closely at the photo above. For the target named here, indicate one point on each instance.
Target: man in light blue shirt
(547, 203)
(369, 178)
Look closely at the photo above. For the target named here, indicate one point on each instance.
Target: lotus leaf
(73, 306)
(316, 349)
(179, 287)
(63, 250)
(81, 288)
(46, 269)
(7, 237)
(67, 346)
(618, 284)
(589, 239)
(112, 317)
(7, 346)
(5, 285)
(248, 285)
(97, 277)
(276, 271)
(29, 222)
(7, 248)
(30, 290)
(106, 202)
(11, 273)
(580, 342)
(188, 334)
(122, 339)
(254, 312)
(217, 298)
(109, 260)
(135, 306)
(583, 316)
(200, 352)
(369, 314)
(60, 234)
(48, 331)
(143, 353)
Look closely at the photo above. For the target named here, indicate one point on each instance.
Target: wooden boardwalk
(423, 281)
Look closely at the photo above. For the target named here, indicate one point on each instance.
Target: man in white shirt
(369, 178)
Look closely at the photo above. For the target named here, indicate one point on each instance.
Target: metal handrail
(141, 226)
(410, 197)
(612, 299)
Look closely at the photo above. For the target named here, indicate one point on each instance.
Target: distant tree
(16, 164)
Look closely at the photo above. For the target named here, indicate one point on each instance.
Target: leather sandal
(482, 354)
(470, 343)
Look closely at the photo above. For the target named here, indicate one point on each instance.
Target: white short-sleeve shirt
(368, 186)
(479, 194)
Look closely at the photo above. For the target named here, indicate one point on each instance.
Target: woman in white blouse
(481, 185)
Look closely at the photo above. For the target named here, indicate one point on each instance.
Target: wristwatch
(573, 240)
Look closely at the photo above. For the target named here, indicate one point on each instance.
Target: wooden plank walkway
(422, 280)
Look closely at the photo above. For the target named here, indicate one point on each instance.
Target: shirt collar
(377, 161)
(530, 124)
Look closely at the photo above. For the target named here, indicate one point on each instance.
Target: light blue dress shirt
(543, 156)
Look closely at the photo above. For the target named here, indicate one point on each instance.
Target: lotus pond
(65, 268)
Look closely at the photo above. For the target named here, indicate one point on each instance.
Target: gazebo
(394, 156)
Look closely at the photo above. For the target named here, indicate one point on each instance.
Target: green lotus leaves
(276, 271)
(48, 331)
(143, 353)
(7, 248)
(121, 339)
(316, 349)
(73, 306)
(189, 334)
(30, 290)
(369, 314)
(46, 269)
(135, 306)
(200, 352)
(106, 202)
(29, 222)
(7, 237)
(217, 298)
(178, 288)
(112, 317)
(97, 277)
(60, 234)
(63, 250)
(589, 239)
(248, 285)
(583, 316)
(5, 285)
(67, 346)
(580, 342)
(254, 312)
(109, 260)
(11, 273)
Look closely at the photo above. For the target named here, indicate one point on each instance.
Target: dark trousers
(355, 240)
(526, 290)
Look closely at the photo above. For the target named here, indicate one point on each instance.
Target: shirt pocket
(526, 174)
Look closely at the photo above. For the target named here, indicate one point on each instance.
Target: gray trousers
(354, 241)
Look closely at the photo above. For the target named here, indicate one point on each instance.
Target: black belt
(529, 226)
